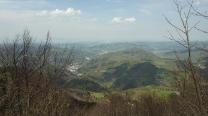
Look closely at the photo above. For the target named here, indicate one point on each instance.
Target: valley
(122, 67)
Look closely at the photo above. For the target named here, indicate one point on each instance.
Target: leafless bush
(190, 83)
(28, 74)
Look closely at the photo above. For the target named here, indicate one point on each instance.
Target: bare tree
(204, 15)
(28, 71)
(182, 37)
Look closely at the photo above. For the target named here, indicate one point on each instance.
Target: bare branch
(206, 32)
(176, 27)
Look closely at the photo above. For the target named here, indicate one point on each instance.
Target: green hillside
(129, 69)
(139, 75)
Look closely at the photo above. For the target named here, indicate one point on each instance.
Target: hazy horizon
(93, 20)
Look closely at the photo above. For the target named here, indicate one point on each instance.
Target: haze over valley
(103, 58)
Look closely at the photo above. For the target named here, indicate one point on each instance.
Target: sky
(92, 20)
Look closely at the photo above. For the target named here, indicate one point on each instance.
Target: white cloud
(130, 20)
(123, 20)
(117, 20)
(58, 12)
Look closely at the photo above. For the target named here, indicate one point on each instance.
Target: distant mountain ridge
(126, 69)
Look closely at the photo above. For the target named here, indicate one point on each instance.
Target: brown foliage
(28, 76)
